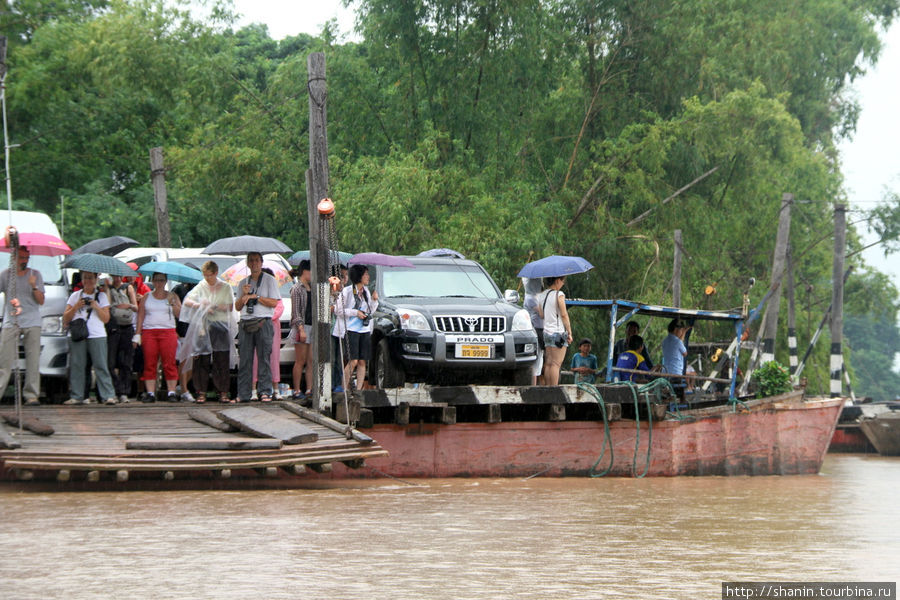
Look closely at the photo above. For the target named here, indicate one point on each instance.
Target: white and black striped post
(837, 298)
(792, 315)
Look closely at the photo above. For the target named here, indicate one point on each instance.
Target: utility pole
(770, 323)
(158, 178)
(316, 190)
(6, 145)
(676, 272)
(837, 298)
(792, 315)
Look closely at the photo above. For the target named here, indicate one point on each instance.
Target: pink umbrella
(39, 244)
(239, 271)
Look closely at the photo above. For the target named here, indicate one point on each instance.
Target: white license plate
(469, 351)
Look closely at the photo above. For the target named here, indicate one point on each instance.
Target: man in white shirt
(258, 296)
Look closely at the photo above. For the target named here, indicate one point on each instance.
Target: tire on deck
(388, 374)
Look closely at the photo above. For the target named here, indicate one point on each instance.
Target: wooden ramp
(113, 442)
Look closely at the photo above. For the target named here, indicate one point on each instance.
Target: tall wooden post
(6, 146)
(158, 178)
(676, 272)
(316, 190)
(837, 298)
(770, 324)
(792, 315)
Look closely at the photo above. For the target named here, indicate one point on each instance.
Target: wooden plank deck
(93, 439)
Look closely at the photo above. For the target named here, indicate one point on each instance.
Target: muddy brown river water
(478, 539)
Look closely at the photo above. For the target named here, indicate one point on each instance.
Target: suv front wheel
(388, 374)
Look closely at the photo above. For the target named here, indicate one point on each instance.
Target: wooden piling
(317, 185)
(770, 323)
(676, 271)
(158, 179)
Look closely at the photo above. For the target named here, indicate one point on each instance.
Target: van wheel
(388, 374)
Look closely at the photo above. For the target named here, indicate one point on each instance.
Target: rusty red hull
(783, 439)
(850, 438)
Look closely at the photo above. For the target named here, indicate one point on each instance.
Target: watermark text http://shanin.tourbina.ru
(773, 590)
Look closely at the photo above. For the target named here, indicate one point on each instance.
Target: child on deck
(584, 364)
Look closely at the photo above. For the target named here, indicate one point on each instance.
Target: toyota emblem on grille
(471, 322)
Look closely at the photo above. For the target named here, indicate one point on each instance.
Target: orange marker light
(326, 208)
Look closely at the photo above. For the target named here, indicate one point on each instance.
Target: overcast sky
(870, 159)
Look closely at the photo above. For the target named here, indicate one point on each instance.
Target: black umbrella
(243, 244)
(108, 246)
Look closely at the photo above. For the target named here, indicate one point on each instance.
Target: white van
(194, 257)
(54, 344)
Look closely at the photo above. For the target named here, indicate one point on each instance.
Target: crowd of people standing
(120, 327)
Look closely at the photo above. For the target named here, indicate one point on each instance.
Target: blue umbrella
(555, 266)
(98, 263)
(296, 257)
(441, 252)
(173, 270)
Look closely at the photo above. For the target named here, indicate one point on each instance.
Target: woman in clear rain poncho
(212, 326)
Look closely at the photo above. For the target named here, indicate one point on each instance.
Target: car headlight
(52, 325)
(522, 321)
(411, 319)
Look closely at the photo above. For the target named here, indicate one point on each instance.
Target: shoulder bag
(78, 328)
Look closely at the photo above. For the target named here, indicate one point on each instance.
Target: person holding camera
(86, 314)
(358, 306)
(557, 329)
(259, 295)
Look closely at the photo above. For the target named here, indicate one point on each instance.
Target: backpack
(121, 316)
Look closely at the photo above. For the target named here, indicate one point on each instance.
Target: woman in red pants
(155, 332)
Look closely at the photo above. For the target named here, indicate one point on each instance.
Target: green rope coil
(635, 390)
(607, 438)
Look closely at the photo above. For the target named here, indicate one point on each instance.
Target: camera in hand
(366, 320)
(251, 304)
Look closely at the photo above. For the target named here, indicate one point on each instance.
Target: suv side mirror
(511, 296)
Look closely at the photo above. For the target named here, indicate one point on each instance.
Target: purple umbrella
(380, 260)
(555, 266)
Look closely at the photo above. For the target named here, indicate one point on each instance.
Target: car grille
(470, 324)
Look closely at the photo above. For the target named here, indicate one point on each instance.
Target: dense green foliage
(506, 130)
(771, 379)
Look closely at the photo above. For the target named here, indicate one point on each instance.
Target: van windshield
(438, 281)
(48, 266)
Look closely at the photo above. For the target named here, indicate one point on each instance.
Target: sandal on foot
(265, 397)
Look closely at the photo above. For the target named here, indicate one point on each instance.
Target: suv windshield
(438, 281)
(47, 265)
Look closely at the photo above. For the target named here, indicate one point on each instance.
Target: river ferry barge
(612, 429)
